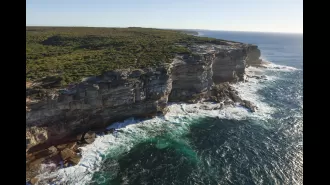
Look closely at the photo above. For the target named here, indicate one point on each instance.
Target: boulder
(234, 96)
(109, 131)
(74, 160)
(54, 159)
(52, 149)
(34, 180)
(89, 137)
(33, 167)
(79, 137)
(228, 102)
(221, 105)
(204, 107)
(67, 153)
(249, 105)
(70, 157)
(71, 145)
(35, 160)
(61, 147)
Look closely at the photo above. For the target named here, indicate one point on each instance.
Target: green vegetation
(75, 52)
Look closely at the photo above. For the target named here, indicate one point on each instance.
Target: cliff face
(194, 76)
(117, 95)
(253, 55)
(191, 76)
(94, 103)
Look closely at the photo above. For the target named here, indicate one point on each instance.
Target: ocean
(191, 145)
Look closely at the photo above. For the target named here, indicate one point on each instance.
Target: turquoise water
(194, 146)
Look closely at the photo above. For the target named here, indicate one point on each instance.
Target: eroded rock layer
(115, 95)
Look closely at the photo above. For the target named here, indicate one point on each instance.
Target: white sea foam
(272, 66)
(47, 168)
(132, 132)
(275, 67)
(177, 120)
(200, 34)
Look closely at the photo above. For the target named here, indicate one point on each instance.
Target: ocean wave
(200, 34)
(276, 67)
(177, 120)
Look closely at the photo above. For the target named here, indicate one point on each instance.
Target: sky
(231, 15)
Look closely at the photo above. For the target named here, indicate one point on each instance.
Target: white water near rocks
(177, 120)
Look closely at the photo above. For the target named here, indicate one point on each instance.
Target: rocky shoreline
(59, 121)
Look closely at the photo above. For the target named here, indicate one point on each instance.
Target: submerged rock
(249, 105)
(205, 107)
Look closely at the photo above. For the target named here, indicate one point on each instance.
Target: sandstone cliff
(117, 95)
(55, 114)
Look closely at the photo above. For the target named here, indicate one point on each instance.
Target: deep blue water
(279, 48)
(226, 151)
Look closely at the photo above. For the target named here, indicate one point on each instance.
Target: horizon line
(194, 29)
